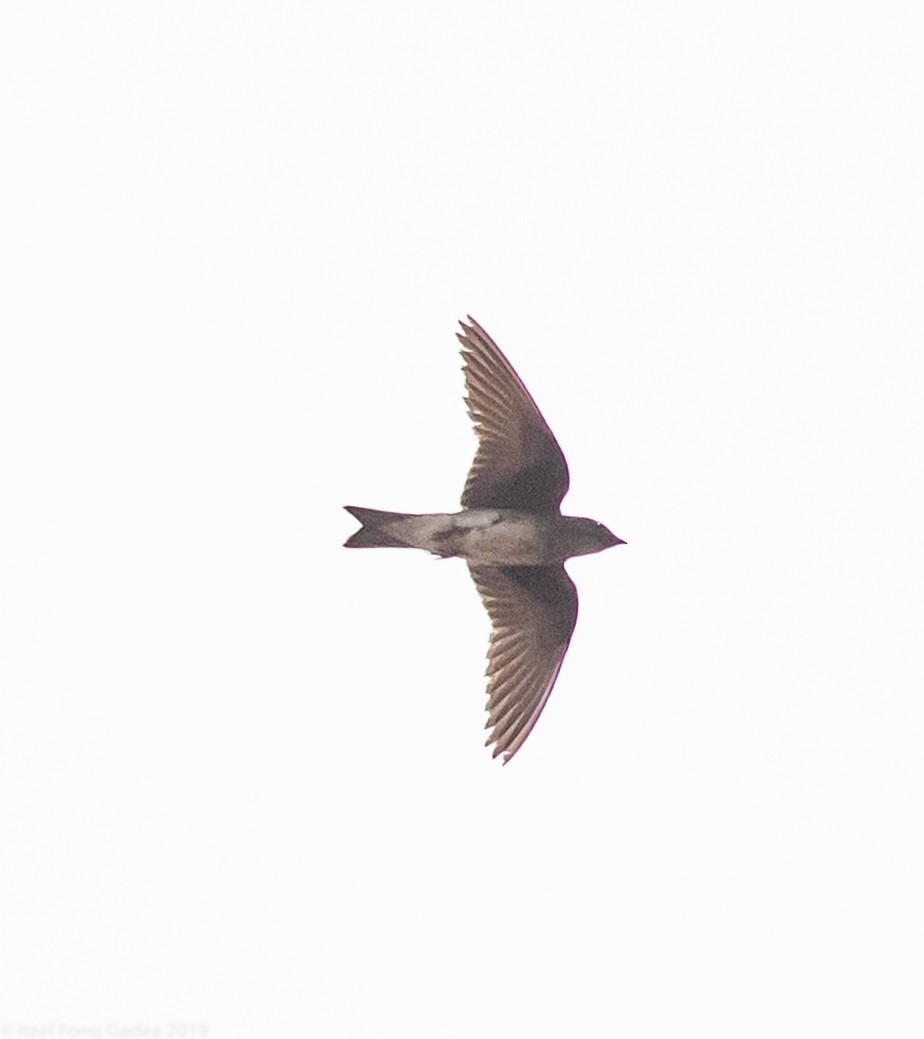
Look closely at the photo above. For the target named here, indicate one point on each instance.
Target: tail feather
(374, 531)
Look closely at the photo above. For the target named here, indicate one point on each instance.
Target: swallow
(513, 536)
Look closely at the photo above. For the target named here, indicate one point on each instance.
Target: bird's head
(584, 536)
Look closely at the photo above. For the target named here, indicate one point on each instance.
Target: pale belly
(511, 540)
(487, 537)
(490, 537)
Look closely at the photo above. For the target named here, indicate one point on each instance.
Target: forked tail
(374, 532)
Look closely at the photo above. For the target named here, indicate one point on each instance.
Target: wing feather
(519, 464)
(533, 610)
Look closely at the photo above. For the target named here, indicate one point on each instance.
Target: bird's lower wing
(533, 610)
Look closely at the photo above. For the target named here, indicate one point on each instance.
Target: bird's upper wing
(533, 611)
(519, 464)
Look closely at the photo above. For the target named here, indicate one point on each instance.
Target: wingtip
(499, 749)
(468, 330)
(472, 326)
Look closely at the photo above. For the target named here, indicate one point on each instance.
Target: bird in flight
(512, 535)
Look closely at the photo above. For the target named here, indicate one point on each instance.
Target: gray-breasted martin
(512, 535)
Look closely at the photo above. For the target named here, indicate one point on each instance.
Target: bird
(513, 536)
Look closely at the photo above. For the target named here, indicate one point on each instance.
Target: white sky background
(242, 780)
